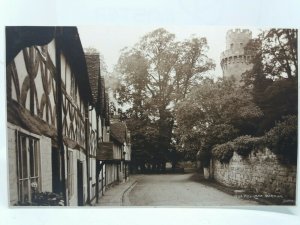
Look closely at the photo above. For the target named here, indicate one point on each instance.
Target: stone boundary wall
(260, 172)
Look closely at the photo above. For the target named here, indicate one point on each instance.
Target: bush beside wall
(281, 140)
(242, 145)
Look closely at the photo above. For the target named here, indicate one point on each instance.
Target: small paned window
(73, 87)
(28, 152)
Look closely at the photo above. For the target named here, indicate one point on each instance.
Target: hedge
(281, 140)
(243, 145)
(223, 152)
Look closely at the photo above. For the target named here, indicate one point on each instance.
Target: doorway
(80, 183)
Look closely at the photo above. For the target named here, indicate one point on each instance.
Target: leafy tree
(157, 73)
(279, 51)
(274, 76)
(214, 113)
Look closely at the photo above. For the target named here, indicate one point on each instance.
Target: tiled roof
(93, 66)
(118, 131)
(101, 97)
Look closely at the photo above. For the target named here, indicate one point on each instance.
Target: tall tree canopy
(158, 70)
(157, 73)
(274, 77)
(279, 52)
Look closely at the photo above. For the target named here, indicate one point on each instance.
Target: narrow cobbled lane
(178, 190)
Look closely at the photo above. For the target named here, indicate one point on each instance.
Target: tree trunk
(165, 124)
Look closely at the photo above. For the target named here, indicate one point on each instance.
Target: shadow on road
(199, 178)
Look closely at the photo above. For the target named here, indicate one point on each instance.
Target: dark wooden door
(56, 175)
(80, 183)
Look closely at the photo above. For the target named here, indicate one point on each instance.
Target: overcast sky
(109, 40)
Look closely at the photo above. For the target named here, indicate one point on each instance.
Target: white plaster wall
(51, 51)
(46, 163)
(12, 165)
(21, 70)
(94, 119)
(63, 68)
(22, 73)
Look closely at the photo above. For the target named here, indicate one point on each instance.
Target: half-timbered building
(120, 137)
(99, 127)
(58, 119)
(49, 125)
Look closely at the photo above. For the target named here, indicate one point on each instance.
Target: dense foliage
(145, 145)
(273, 83)
(223, 152)
(282, 139)
(211, 118)
(155, 74)
(214, 113)
(242, 145)
(274, 77)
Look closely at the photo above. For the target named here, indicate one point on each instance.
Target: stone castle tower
(235, 60)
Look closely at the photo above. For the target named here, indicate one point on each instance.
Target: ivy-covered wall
(260, 172)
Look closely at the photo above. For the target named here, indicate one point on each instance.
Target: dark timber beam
(58, 34)
(87, 147)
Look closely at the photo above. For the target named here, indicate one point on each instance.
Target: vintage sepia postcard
(151, 116)
(149, 112)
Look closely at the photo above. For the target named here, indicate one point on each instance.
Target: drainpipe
(63, 189)
(87, 147)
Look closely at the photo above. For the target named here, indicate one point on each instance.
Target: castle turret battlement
(239, 31)
(235, 60)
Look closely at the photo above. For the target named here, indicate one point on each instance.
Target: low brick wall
(260, 172)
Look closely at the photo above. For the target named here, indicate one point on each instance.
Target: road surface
(177, 190)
